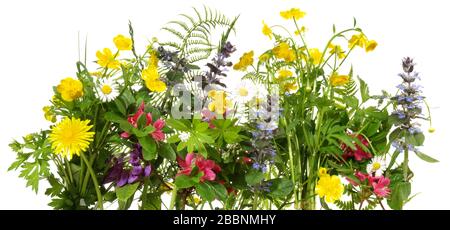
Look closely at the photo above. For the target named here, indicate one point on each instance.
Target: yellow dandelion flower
(266, 30)
(339, 80)
(70, 89)
(122, 42)
(106, 59)
(71, 137)
(330, 188)
(371, 45)
(292, 13)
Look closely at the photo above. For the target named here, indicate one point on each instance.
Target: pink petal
(125, 135)
(159, 124)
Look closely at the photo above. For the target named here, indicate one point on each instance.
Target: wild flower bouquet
(162, 130)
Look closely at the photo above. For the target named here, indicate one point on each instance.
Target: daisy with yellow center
(107, 90)
(377, 166)
(71, 137)
(243, 92)
(330, 188)
(107, 59)
(70, 89)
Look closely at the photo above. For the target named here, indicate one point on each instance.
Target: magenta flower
(380, 186)
(208, 167)
(157, 134)
(359, 154)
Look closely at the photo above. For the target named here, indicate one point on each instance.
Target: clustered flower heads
(295, 128)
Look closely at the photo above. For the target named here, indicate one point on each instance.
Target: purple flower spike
(147, 170)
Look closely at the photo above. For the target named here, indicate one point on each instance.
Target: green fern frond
(192, 34)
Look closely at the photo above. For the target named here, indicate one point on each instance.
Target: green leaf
(281, 187)
(416, 139)
(181, 146)
(183, 181)
(426, 158)
(167, 152)
(399, 195)
(220, 191)
(152, 202)
(125, 192)
(348, 141)
(254, 177)
(110, 116)
(173, 139)
(202, 127)
(126, 126)
(148, 147)
(177, 124)
(364, 90)
(205, 191)
(120, 105)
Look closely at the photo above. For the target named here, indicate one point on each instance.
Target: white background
(38, 47)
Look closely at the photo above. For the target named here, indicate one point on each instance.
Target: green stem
(405, 166)
(291, 164)
(69, 170)
(94, 180)
(173, 198)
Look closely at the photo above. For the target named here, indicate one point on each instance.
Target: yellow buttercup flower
(316, 55)
(70, 89)
(107, 60)
(219, 103)
(330, 188)
(357, 40)
(292, 13)
(337, 50)
(284, 51)
(48, 114)
(245, 61)
(371, 45)
(71, 137)
(266, 30)
(283, 74)
(339, 80)
(264, 57)
(290, 87)
(150, 75)
(122, 42)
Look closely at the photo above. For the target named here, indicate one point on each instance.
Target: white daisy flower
(107, 89)
(377, 166)
(243, 92)
(184, 136)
